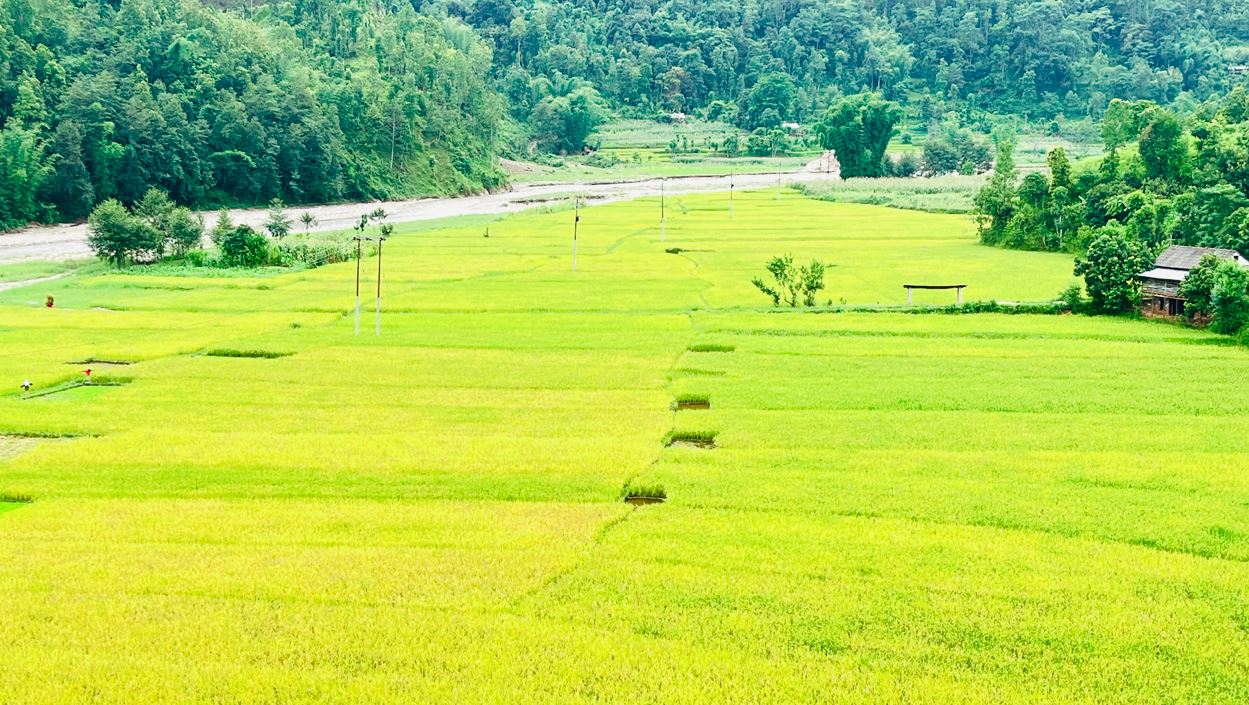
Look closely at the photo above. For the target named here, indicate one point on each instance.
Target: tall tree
(24, 167)
(1163, 150)
(1109, 269)
(859, 128)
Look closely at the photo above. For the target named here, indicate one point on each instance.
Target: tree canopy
(859, 128)
(1039, 58)
(307, 101)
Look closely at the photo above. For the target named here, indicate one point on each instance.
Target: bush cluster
(157, 230)
(1217, 291)
(792, 284)
(154, 228)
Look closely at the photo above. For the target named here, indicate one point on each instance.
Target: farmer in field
(26, 386)
(87, 375)
(49, 303)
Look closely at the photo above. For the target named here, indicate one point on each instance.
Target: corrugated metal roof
(1164, 274)
(1185, 257)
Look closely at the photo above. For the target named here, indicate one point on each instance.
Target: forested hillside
(1038, 58)
(327, 100)
(241, 101)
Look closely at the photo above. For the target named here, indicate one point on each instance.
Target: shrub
(258, 354)
(1110, 268)
(1073, 297)
(635, 488)
(602, 160)
(1229, 299)
(1198, 287)
(222, 228)
(244, 247)
(906, 166)
(198, 258)
(792, 284)
(315, 254)
(118, 236)
(278, 223)
(175, 227)
(705, 439)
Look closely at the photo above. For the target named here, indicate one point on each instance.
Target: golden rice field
(898, 508)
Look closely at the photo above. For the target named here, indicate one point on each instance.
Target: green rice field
(638, 149)
(251, 504)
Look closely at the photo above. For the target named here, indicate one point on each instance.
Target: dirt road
(62, 242)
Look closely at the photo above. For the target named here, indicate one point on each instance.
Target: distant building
(793, 128)
(1239, 69)
(1160, 286)
(676, 118)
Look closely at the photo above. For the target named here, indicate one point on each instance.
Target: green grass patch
(639, 493)
(100, 361)
(712, 348)
(257, 354)
(691, 402)
(940, 194)
(691, 439)
(698, 372)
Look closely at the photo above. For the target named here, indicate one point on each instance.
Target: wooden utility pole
(575, 222)
(663, 219)
(378, 323)
(358, 241)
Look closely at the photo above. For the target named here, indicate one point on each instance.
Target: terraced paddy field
(878, 507)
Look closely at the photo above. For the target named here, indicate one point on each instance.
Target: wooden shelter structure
(1160, 286)
(910, 290)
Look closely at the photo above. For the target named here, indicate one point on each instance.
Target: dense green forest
(1166, 180)
(321, 101)
(242, 101)
(1039, 58)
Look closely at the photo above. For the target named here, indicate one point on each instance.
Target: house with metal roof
(1160, 286)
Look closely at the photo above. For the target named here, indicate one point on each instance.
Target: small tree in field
(117, 235)
(1109, 269)
(176, 227)
(278, 224)
(309, 221)
(185, 231)
(244, 247)
(223, 227)
(792, 284)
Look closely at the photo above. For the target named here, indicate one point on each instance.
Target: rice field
(637, 149)
(936, 194)
(252, 504)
